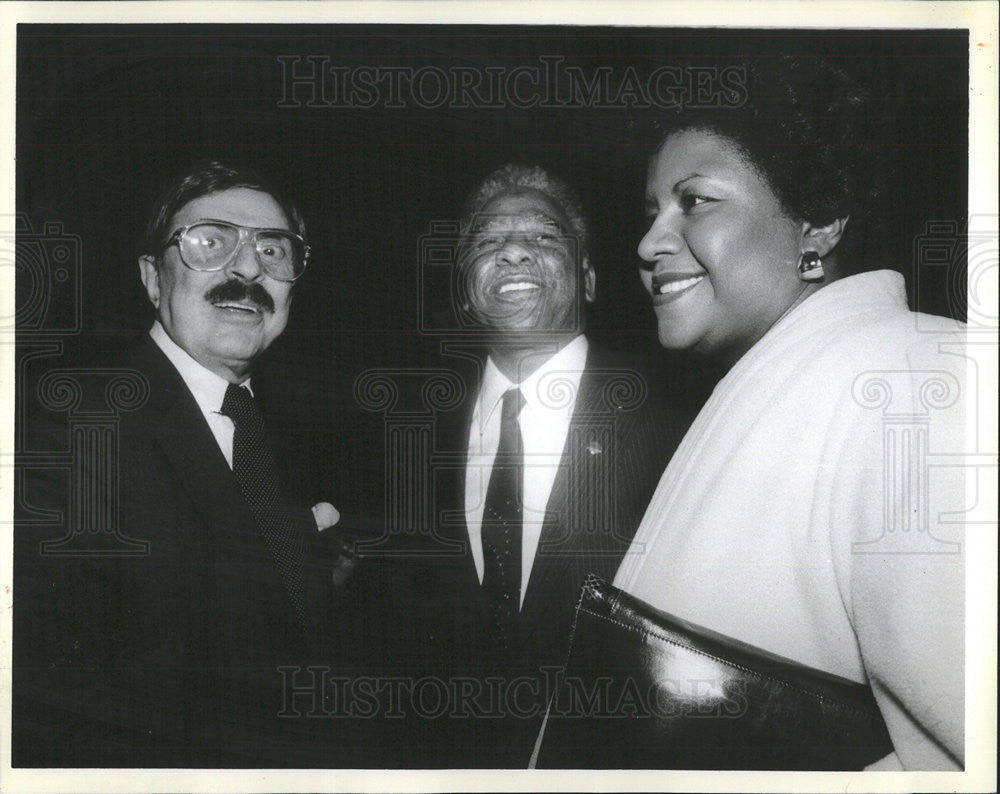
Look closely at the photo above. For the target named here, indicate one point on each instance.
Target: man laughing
(563, 444)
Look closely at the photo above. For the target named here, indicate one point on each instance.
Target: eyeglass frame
(244, 232)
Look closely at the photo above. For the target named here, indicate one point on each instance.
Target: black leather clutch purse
(645, 690)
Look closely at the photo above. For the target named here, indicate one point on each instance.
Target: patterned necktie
(501, 529)
(255, 471)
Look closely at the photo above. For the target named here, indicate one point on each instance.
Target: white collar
(208, 389)
(567, 364)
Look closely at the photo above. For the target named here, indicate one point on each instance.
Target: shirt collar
(570, 360)
(207, 388)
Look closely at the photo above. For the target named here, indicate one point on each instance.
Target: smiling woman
(783, 521)
(722, 248)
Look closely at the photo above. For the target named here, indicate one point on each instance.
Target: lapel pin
(594, 448)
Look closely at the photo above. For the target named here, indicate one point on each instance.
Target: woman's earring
(811, 267)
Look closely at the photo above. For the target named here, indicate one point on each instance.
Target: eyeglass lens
(210, 245)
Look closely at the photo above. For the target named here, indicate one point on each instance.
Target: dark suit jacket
(169, 657)
(620, 440)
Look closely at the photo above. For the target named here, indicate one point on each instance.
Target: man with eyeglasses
(222, 274)
(179, 657)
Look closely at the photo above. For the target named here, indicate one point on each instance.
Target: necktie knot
(510, 427)
(513, 402)
(239, 406)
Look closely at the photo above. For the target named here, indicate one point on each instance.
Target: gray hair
(511, 178)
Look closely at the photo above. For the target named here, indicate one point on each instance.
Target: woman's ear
(823, 239)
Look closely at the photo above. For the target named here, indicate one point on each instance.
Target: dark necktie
(501, 529)
(256, 472)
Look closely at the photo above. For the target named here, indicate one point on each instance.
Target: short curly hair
(513, 177)
(811, 130)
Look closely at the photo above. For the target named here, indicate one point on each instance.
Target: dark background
(106, 115)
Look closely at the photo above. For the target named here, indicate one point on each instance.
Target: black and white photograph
(443, 398)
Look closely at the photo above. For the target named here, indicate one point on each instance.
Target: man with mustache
(172, 657)
(564, 443)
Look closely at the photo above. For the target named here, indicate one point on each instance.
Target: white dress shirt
(207, 388)
(550, 396)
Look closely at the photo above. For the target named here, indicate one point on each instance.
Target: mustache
(235, 290)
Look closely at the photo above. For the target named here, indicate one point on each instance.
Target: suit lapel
(580, 533)
(225, 529)
(569, 499)
(189, 446)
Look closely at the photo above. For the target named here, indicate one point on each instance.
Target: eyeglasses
(210, 245)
